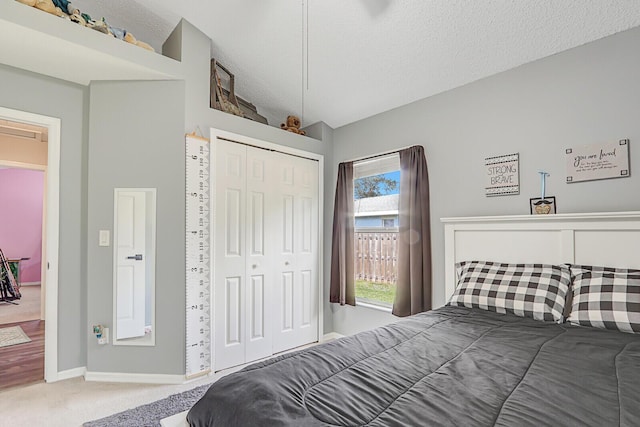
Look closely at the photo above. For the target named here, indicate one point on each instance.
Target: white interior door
(296, 259)
(229, 270)
(259, 257)
(130, 245)
(265, 274)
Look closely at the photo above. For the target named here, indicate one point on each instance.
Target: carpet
(149, 415)
(13, 335)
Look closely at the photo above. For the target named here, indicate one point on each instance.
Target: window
(388, 222)
(376, 187)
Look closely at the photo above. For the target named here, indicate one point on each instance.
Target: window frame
(362, 169)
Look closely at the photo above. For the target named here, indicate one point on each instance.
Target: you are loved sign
(598, 161)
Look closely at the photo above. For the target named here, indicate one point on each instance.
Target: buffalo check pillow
(526, 290)
(606, 297)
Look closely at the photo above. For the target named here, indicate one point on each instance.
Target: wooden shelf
(36, 41)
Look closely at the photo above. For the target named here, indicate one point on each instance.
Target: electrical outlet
(104, 339)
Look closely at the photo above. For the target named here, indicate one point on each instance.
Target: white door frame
(52, 225)
(215, 133)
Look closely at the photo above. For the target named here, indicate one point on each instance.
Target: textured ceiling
(363, 57)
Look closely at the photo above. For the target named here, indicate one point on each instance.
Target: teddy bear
(292, 125)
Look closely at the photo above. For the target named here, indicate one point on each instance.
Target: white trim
(376, 213)
(72, 373)
(360, 303)
(216, 133)
(588, 216)
(331, 336)
(30, 284)
(120, 377)
(234, 137)
(22, 165)
(51, 248)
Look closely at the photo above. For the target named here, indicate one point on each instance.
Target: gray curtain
(413, 291)
(342, 288)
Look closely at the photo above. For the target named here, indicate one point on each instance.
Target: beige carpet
(72, 402)
(28, 307)
(12, 335)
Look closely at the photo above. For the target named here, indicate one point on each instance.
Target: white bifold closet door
(295, 291)
(265, 253)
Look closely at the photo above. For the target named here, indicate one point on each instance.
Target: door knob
(286, 263)
(137, 257)
(254, 266)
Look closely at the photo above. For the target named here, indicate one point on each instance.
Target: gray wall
(136, 138)
(586, 95)
(193, 48)
(55, 98)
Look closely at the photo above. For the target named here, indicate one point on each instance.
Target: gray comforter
(451, 366)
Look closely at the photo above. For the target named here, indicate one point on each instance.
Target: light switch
(103, 238)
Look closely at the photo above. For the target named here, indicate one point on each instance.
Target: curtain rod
(375, 156)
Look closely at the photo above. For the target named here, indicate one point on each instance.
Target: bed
(480, 364)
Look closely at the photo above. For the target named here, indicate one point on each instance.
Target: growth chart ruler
(198, 265)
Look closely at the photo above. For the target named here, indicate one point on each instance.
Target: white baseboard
(30, 283)
(70, 373)
(119, 377)
(331, 336)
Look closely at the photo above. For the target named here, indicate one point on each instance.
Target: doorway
(20, 164)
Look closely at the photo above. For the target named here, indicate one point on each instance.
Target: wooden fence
(376, 254)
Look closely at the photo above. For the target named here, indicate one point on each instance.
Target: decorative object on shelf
(247, 109)
(221, 100)
(598, 161)
(542, 205)
(292, 125)
(503, 175)
(65, 9)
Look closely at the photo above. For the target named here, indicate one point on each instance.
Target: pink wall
(21, 192)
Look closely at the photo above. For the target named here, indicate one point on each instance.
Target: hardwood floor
(23, 363)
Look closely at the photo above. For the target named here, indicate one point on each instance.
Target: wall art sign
(598, 161)
(502, 175)
(542, 206)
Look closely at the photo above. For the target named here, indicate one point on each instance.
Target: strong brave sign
(502, 175)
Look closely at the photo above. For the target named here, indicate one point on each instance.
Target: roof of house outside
(372, 206)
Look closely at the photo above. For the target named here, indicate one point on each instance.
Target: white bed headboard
(606, 239)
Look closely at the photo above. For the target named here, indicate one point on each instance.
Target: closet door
(229, 269)
(265, 241)
(259, 257)
(296, 247)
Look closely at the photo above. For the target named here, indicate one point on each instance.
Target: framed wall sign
(598, 161)
(542, 206)
(502, 175)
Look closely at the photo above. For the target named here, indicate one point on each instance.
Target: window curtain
(413, 291)
(342, 289)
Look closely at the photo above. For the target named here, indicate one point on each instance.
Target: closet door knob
(286, 263)
(254, 266)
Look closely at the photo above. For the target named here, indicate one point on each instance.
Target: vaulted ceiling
(343, 60)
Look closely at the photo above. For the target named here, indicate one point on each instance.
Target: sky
(394, 176)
